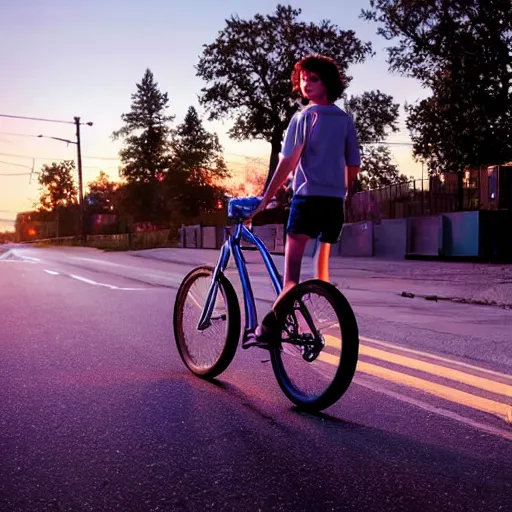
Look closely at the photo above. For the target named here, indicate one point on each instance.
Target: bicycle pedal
(255, 343)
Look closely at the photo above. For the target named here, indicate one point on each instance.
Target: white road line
(101, 262)
(436, 410)
(11, 252)
(29, 258)
(166, 278)
(83, 279)
(110, 286)
(51, 272)
(18, 261)
(6, 257)
(6, 254)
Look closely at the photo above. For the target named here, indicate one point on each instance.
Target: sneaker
(265, 333)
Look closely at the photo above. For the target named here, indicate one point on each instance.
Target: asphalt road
(97, 412)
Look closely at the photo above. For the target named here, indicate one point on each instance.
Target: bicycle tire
(233, 319)
(349, 352)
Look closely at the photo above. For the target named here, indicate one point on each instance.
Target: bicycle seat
(240, 208)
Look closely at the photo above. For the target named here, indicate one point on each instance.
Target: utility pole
(32, 171)
(80, 180)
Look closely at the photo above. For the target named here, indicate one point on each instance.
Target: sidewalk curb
(406, 294)
(457, 300)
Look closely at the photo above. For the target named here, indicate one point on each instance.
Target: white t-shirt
(330, 144)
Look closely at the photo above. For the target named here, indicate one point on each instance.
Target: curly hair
(331, 75)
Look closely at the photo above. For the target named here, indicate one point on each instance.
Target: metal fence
(415, 198)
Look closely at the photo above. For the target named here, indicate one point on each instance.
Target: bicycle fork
(211, 297)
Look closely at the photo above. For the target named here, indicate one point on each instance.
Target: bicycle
(329, 346)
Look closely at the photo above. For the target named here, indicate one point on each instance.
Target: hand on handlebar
(258, 210)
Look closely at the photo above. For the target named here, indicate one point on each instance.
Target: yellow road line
(437, 358)
(441, 371)
(431, 356)
(489, 429)
(434, 369)
(445, 392)
(469, 379)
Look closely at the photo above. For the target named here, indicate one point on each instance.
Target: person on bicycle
(320, 148)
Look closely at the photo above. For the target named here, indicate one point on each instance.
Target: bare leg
(293, 253)
(322, 261)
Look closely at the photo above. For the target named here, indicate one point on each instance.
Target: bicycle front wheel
(315, 357)
(206, 353)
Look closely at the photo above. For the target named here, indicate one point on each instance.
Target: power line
(262, 157)
(19, 156)
(37, 119)
(16, 174)
(13, 155)
(113, 158)
(384, 143)
(16, 165)
(31, 157)
(100, 167)
(18, 134)
(102, 157)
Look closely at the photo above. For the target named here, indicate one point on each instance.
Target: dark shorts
(318, 217)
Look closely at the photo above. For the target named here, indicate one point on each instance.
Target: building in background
(34, 225)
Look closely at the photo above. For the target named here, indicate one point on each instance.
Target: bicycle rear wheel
(206, 353)
(315, 357)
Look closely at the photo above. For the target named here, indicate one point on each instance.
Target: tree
(378, 169)
(460, 50)
(248, 69)
(197, 167)
(251, 182)
(145, 132)
(58, 186)
(374, 115)
(102, 194)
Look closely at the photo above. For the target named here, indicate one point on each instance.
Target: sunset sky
(62, 59)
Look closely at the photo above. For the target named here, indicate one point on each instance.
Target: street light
(57, 138)
(79, 160)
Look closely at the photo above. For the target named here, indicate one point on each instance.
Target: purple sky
(63, 59)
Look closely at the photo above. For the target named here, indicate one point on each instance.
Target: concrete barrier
(280, 239)
(390, 238)
(356, 240)
(267, 234)
(209, 237)
(310, 248)
(461, 234)
(424, 236)
(193, 237)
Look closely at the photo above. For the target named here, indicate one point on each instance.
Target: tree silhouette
(58, 186)
(248, 70)
(378, 169)
(102, 194)
(145, 132)
(197, 167)
(460, 51)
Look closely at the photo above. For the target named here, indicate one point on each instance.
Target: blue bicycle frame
(232, 245)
